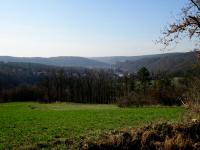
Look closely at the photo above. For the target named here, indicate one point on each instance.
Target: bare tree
(188, 25)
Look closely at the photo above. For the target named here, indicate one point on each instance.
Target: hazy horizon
(85, 28)
(165, 52)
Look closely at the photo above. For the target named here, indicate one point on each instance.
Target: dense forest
(43, 83)
(31, 82)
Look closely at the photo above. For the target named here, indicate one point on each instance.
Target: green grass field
(31, 123)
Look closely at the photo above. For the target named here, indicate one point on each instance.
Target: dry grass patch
(160, 136)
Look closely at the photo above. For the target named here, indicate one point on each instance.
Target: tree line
(92, 86)
(59, 84)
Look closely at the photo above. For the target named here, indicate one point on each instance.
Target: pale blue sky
(84, 27)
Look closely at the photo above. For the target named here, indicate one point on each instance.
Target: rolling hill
(61, 61)
(117, 59)
(171, 62)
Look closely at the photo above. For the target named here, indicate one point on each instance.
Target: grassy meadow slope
(28, 124)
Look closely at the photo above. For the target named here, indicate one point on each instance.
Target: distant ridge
(171, 62)
(117, 59)
(160, 62)
(62, 61)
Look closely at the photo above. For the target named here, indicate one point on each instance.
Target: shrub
(131, 99)
(193, 93)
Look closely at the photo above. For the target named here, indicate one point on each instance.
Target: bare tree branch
(187, 26)
(196, 3)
